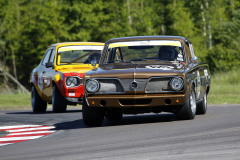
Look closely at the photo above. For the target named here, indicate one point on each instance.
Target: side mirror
(94, 63)
(194, 59)
(50, 64)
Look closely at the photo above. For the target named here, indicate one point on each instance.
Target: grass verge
(224, 90)
(15, 101)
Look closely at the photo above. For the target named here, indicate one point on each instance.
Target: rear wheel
(188, 110)
(92, 116)
(59, 103)
(38, 105)
(202, 106)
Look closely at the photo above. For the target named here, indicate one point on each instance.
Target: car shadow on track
(47, 112)
(127, 120)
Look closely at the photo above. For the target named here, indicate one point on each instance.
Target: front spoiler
(145, 100)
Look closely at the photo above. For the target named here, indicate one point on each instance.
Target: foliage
(28, 27)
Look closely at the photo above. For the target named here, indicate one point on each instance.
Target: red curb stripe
(9, 129)
(14, 141)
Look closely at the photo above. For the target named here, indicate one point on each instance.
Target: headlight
(92, 86)
(176, 83)
(73, 81)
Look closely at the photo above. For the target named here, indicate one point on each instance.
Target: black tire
(59, 104)
(114, 115)
(38, 105)
(188, 110)
(202, 106)
(92, 116)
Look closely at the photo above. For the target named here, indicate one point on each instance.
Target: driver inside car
(167, 53)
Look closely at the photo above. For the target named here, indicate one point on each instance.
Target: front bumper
(74, 100)
(145, 100)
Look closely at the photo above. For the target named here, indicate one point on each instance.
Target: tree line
(28, 27)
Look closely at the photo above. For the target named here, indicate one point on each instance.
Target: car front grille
(121, 86)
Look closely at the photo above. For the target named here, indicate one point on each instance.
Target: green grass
(15, 101)
(225, 89)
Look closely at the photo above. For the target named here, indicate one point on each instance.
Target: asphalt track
(214, 136)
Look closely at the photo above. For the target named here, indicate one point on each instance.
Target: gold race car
(146, 74)
(57, 80)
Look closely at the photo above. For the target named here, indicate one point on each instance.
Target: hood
(74, 68)
(138, 70)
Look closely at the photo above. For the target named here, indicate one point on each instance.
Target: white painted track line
(24, 133)
(31, 129)
(18, 138)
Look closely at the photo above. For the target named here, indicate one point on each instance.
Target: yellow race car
(57, 80)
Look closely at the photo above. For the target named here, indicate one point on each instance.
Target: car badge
(134, 85)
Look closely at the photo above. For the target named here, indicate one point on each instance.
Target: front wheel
(92, 116)
(59, 103)
(188, 110)
(38, 105)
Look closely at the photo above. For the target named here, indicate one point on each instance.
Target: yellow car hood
(74, 68)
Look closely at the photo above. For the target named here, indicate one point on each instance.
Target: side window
(46, 57)
(188, 51)
(52, 55)
(192, 51)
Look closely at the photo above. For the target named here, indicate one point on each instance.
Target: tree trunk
(22, 88)
(129, 13)
(209, 26)
(162, 23)
(204, 24)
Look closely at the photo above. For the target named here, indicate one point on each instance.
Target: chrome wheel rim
(205, 102)
(193, 103)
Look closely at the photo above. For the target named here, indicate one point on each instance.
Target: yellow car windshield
(78, 54)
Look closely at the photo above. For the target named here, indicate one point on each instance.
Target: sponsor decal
(146, 43)
(72, 48)
(160, 67)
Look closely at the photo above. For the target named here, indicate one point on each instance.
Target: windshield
(78, 54)
(153, 50)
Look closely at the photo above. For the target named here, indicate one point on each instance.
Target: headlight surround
(177, 83)
(92, 86)
(73, 81)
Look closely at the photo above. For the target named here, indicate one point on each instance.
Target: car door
(42, 73)
(200, 77)
(47, 75)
